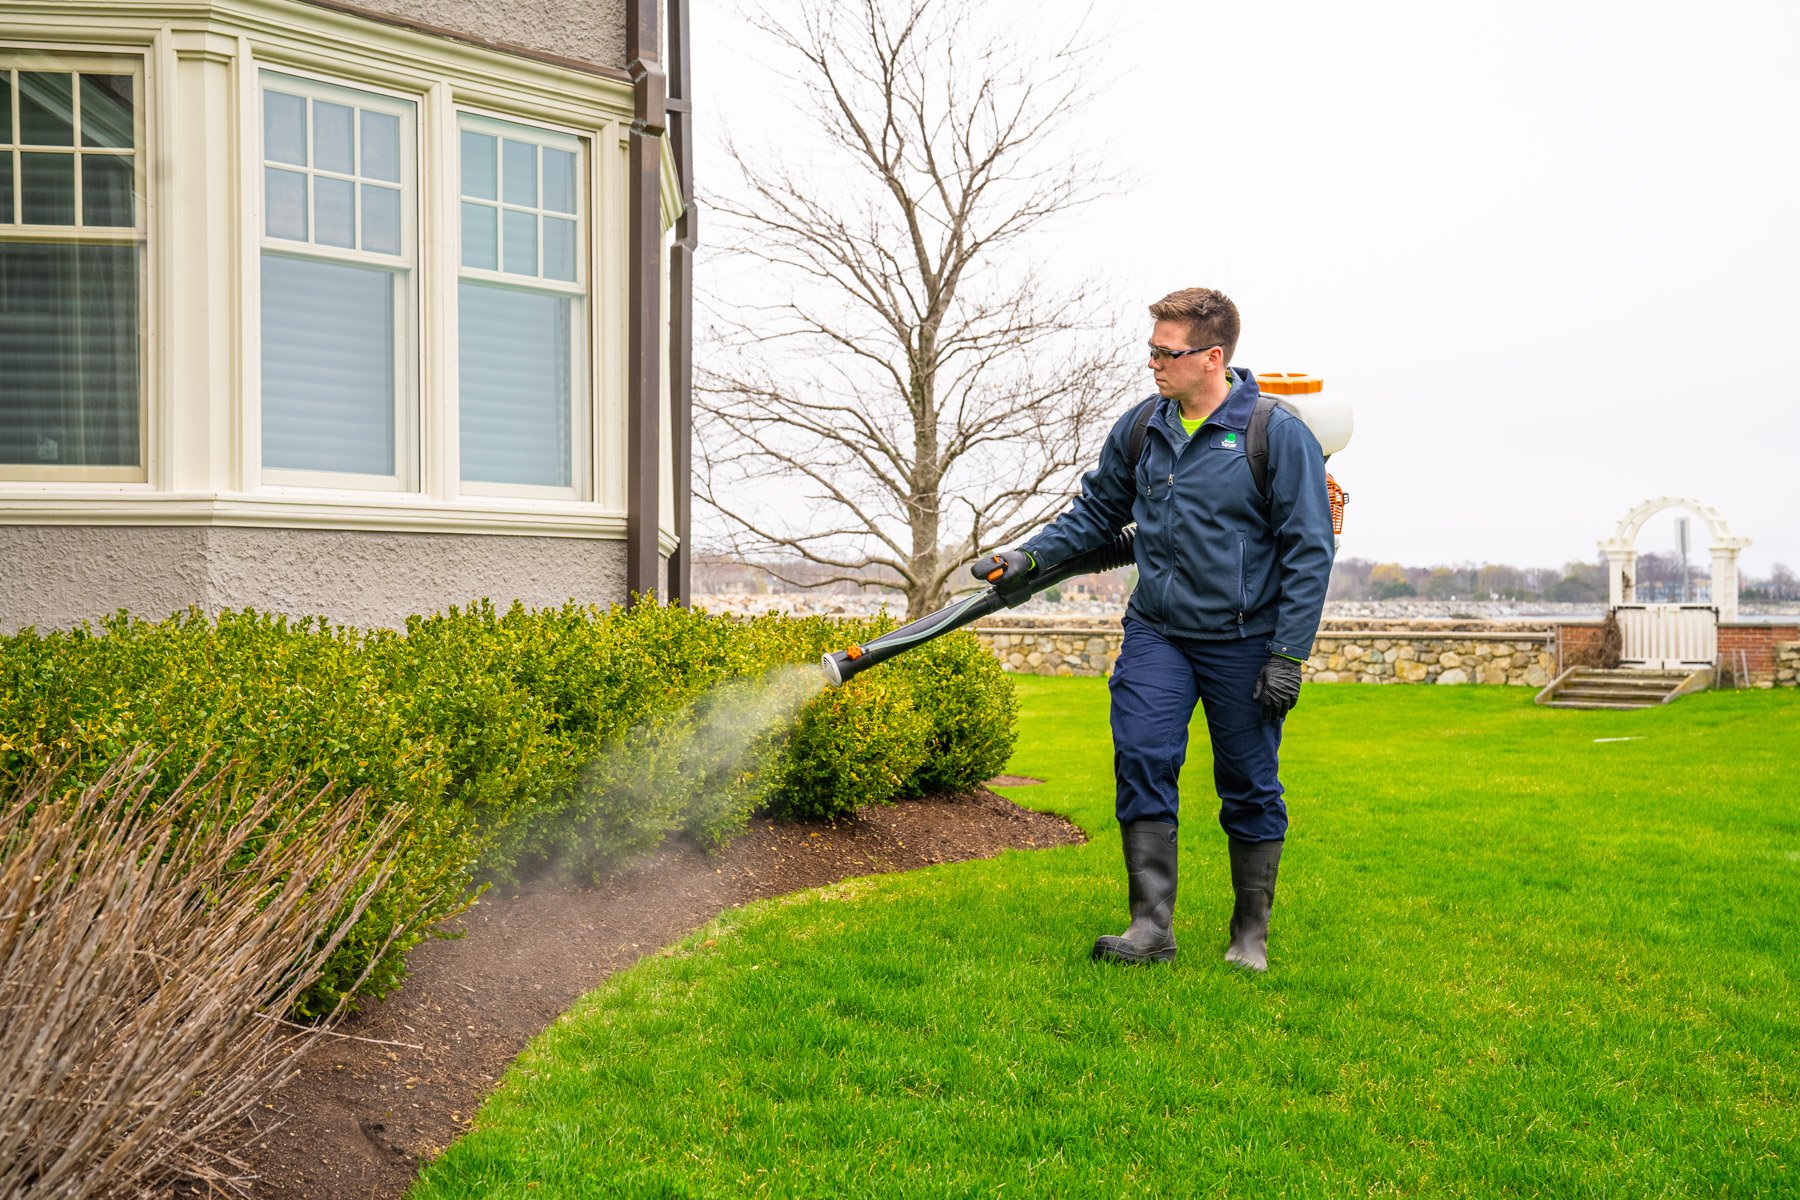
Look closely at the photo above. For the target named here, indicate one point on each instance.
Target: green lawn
(1507, 959)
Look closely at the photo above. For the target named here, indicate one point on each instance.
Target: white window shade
(328, 366)
(517, 359)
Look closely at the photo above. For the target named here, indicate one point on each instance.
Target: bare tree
(894, 387)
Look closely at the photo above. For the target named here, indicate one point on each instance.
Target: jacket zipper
(1243, 584)
(1169, 509)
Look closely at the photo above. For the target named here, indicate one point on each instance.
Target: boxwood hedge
(518, 742)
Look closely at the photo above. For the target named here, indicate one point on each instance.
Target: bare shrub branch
(144, 949)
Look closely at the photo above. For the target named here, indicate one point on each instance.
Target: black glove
(1009, 566)
(1278, 687)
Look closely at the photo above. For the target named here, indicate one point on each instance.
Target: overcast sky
(1548, 250)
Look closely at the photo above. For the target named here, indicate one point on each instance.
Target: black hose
(840, 665)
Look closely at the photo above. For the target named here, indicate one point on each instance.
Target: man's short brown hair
(1212, 319)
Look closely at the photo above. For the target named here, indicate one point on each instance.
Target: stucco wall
(54, 575)
(59, 575)
(592, 31)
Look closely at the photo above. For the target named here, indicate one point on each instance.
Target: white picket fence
(1668, 636)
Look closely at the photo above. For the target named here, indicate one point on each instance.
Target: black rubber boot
(1254, 866)
(1150, 875)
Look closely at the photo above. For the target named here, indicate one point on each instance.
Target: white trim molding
(376, 511)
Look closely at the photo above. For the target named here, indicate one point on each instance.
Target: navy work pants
(1155, 685)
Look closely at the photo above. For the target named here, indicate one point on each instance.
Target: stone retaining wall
(1512, 656)
(1374, 651)
(1348, 652)
(1053, 649)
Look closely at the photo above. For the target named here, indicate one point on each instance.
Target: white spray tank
(1329, 418)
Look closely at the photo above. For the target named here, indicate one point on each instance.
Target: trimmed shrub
(618, 686)
(565, 739)
(854, 745)
(972, 711)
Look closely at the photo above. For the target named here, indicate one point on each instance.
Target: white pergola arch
(1621, 553)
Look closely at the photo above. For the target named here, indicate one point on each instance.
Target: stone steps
(1591, 687)
(1610, 704)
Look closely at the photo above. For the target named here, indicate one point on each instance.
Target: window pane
(327, 366)
(107, 182)
(381, 146)
(516, 376)
(559, 180)
(106, 111)
(521, 172)
(69, 354)
(559, 249)
(284, 196)
(47, 188)
(334, 137)
(334, 212)
(478, 166)
(5, 108)
(46, 109)
(380, 219)
(6, 187)
(284, 128)
(521, 243)
(480, 236)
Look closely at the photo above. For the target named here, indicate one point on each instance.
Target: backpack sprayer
(840, 665)
(1329, 419)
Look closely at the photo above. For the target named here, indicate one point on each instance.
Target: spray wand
(840, 665)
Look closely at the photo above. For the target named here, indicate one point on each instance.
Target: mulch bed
(361, 1116)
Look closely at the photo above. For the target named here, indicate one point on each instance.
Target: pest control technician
(1231, 584)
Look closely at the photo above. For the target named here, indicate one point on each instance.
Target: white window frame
(408, 393)
(15, 57)
(580, 290)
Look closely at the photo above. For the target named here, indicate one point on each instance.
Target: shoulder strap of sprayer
(1256, 438)
(1140, 423)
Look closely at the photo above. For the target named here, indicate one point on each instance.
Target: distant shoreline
(1537, 612)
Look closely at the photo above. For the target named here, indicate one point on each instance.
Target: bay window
(339, 252)
(257, 271)
(72, 233)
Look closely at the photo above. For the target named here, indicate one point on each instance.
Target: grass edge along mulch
(366, 1108)
(1511, 956)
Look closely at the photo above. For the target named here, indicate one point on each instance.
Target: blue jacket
(1215, 560)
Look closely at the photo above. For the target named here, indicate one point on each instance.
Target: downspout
(681, 300)
(643, 382)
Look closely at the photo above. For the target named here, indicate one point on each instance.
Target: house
(355, 308)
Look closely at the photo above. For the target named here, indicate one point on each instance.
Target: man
(1231, 583)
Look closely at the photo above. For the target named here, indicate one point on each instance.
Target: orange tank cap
(1289, 383)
